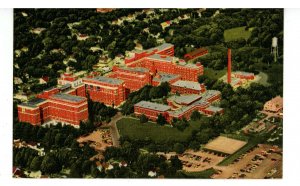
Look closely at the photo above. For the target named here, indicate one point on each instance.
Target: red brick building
(165, 77)
(185, 105)
(196, 53)
(187, 87)
(211, 95)
(152, 66)
(59, 107)
(134, 78)
(71, 82)
(30, 111)
(110, 91)
(164, 49)
(171, 65)
(244, 75)
(48, 92)
(180, 107)
(151, 110)
(161, 59)
(61, 103)
(68, 108)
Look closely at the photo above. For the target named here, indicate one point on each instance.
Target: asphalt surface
(114, 130)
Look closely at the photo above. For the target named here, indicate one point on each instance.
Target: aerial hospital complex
(68, 101)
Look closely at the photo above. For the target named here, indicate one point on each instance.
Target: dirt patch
(99, 139)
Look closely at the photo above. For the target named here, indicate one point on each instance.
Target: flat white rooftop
(153, 106)
(187, 84)
(225, 145)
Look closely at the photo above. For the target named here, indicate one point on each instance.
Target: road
(114, 130)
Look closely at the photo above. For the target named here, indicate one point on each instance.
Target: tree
(94, 171)
(179, 148)
(36, 163)
(143, 118)
(155, 28)
(181, 124)
(161, 120)
(50, 164)
(154, 92)
(69, 140)
(204, 135)
(195, 115)
(59, 139)
(176, 163)
(165, 88)
(86, 166)
(194, 145)
(75, 170)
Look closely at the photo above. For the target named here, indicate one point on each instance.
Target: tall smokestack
(229, 67)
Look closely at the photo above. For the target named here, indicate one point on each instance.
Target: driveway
(114, 130)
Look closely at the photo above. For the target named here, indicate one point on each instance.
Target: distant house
(196, 53)
(99, 165)
(152, 174)
(44, 80)
(104, 166)
(165, 24)
(274, 105)
(122, 164)
(17, 172)
(104, 10)
(110, 166)
(17, 81)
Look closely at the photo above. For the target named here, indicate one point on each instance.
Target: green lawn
(202, 174)
(236, 33)
(135, 130)
(214, 74)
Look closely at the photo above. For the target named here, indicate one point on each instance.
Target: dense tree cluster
(54, 136)
(98, 112)
(60, 147)
(161, 120)
(195, 115)
(181, 124)
(146, 93)
(207, 31)
(139, 164)
(143, 118)
(64, 26)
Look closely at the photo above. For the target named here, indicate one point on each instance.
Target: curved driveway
(114, 130)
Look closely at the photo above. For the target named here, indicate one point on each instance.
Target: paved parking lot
(255, 164)
(194, 161)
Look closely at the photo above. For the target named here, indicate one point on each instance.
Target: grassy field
(203, 174)
(236, 33)
(214, 74)
(135, 130)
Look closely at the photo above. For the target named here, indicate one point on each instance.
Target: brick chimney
(229, 66)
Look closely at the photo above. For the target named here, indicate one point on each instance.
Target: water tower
(274, 48)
